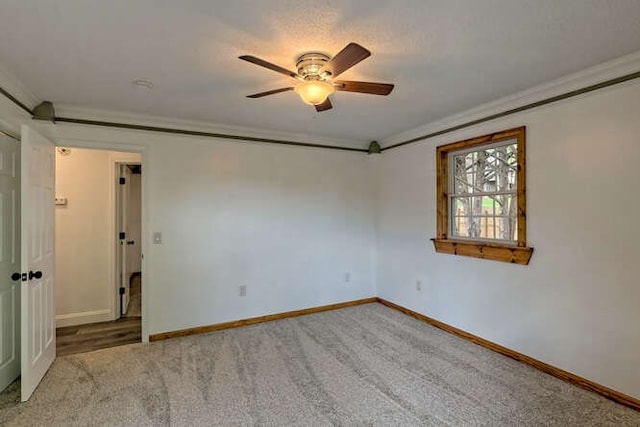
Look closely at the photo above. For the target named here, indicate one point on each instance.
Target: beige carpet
(365, 365)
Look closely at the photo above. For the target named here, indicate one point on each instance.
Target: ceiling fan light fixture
(316, 76)
(314, 92)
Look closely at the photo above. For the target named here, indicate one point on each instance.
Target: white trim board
(80, 318)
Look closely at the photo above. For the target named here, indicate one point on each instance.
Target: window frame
(452, 194)
(516, 252)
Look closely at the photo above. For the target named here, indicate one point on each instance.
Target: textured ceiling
(443, 56)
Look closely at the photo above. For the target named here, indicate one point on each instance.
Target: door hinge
(121, 235)
(121, 291)
(122, 180)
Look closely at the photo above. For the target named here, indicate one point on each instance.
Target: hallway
(95, 336)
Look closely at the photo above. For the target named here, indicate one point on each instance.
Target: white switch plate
(60, 201)
(157, 238)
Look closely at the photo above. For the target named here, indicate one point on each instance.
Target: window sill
(504, 253)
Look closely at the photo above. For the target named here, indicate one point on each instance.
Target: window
(481, 198)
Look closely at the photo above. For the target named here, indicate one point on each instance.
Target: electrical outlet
(418, 285)
(347, 277)
(243, 291)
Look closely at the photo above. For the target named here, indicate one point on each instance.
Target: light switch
(157, 238)
(61, 201)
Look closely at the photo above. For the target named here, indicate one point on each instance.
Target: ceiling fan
(316, 73)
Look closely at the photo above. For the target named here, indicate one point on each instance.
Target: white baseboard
(73, 319)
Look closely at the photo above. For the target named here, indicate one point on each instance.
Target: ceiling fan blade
(270, 66)
(269, 92)
(364, 87)
(345, 59)
(326, 105)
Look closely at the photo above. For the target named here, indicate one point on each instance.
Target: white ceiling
(443, 56)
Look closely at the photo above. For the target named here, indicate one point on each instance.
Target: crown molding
(84, 113)
(600, 73)
(10, 83)
(590, 76)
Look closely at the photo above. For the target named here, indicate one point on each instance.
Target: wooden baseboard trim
(254, 320)
(542, 366)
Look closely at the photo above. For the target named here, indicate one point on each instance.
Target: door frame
(117, 160)
(125, 149)
(122, 157)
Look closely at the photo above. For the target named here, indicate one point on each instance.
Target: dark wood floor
(94, 336)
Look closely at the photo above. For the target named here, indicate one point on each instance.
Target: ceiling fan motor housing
(310, 64)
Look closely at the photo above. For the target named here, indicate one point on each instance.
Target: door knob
(36, 274)
(16, 276)
(131, 242)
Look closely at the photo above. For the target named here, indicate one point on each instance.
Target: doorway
(28, 241)
(98, 241)
(129, 253)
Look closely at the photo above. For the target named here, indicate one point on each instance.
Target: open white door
(38, 331)
(9, 261)
(122, 198)
(134, 223)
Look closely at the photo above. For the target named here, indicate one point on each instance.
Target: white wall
(577, 305)
(85, 280)
(287, 222)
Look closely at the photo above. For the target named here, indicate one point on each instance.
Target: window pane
(485, 170)
(506, 217)
(485, 217)
(464, 222)
(463, 173)
(491, 171)
(505, 167)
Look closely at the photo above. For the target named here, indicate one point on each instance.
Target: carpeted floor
(365, 365)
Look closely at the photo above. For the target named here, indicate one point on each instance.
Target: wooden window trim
(518, 253)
